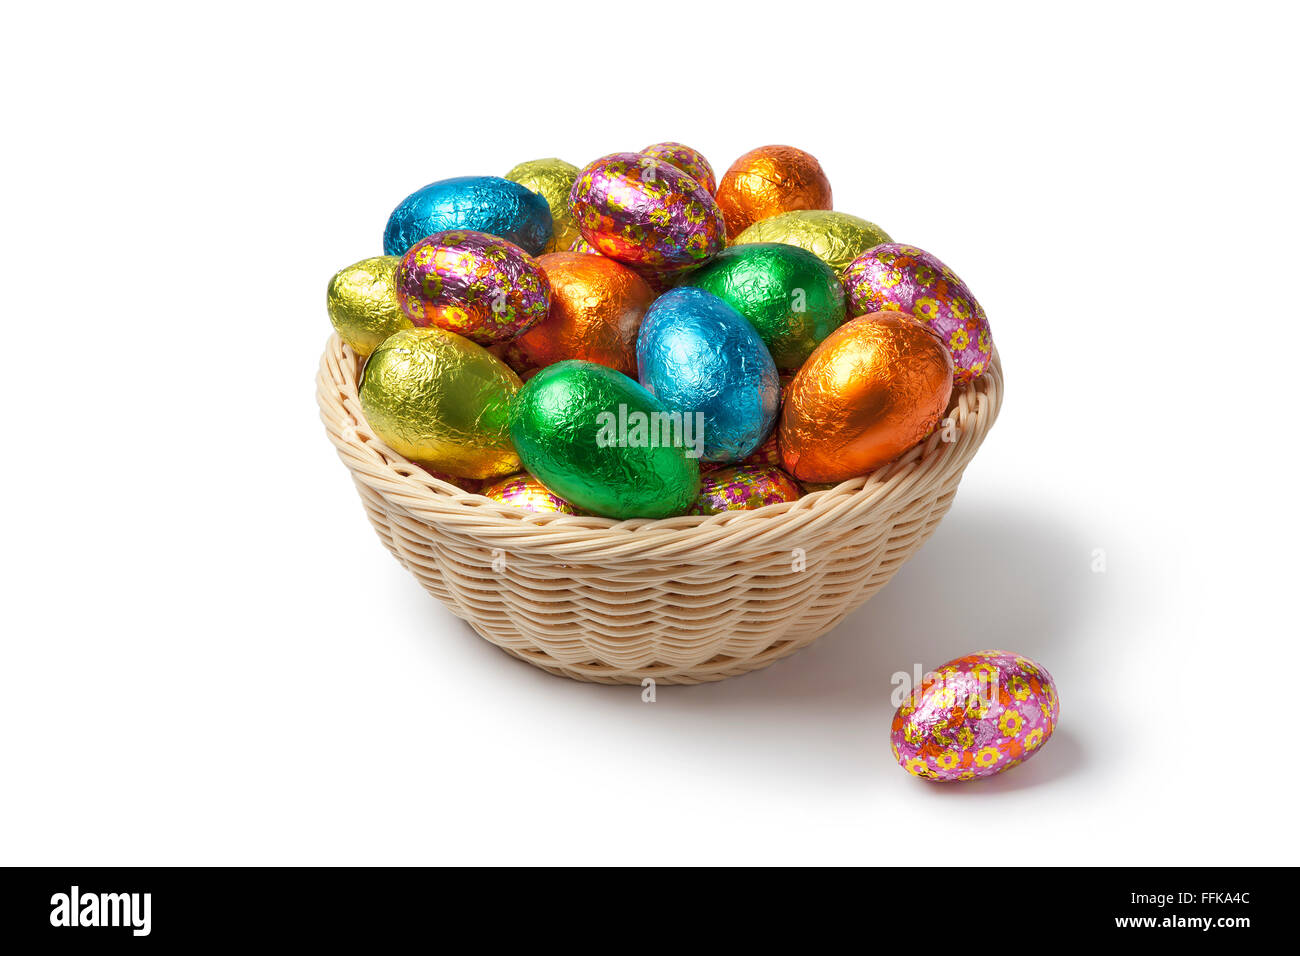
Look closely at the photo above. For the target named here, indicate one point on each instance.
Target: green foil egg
(834, 237)
(436, 397)
(362, 303)
(599, 440)
(789, 295)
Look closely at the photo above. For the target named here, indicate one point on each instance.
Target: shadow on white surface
(989, 578)
(1062, 756)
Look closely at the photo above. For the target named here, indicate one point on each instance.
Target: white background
(209, 658)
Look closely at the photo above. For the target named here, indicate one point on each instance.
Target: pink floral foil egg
(690, 161)
(907, 279)
(743, 488)
(479, 286)
(526, 492)
(646, 213)
(582, 245)
(976, 716)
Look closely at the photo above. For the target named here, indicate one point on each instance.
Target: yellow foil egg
(436, 397)
(551, 179)
(834, 237)
(362, 303)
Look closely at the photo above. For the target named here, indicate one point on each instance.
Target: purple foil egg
(645, 212)
(479, 286)
(688, 160)
(907, 279)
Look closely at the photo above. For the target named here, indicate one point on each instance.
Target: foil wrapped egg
(701, 357)
(658, 281)
(903, 278)
(646, 213)
(471, 485)
(768, 181)
(599, 440)
(596, 309)
(487, 204)
(834, 237)
(582, 245)
(438, 398)
(362, 303)
(743, 488)
(976, 716)
(877, 386)
(690, 161)
(526, 492)
(473, 284)
(552, 179)
(769, 453)
(789, 295)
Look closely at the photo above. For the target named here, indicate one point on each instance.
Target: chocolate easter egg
(645, 212)
(438, 398)
(790, 296)
(903, 278)
(701, 357)
(834, 237)
(526, 492)
(487, 204)
(769, 453)
(877, 386)
(690, 161)
(552, 179)
(472, 485)
(768, 181)
(600, 441)
(976, 716)
(479, 286)
(596, 309)
(744, 488)
(362, 303)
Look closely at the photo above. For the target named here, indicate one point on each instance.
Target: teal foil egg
(697, 354)
(487, 204)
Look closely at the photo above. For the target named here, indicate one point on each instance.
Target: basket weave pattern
(681, 600)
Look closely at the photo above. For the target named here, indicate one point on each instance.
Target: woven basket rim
(413, 491)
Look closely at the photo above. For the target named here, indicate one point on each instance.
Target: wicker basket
(681, 600)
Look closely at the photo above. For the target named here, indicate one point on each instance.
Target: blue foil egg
(482, 203)
(696, 353)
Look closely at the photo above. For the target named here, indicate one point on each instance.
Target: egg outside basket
(681, 600)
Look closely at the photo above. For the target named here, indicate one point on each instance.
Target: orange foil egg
(768, 181)
(596, 309)
(873, 389)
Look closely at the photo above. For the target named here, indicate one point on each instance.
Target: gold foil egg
(551, 179)
(834, 237)
(436, 397)
(877, 386)
(596, 309)
(362, 303)
(768, 181)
